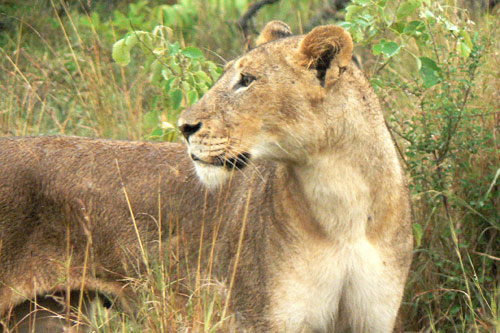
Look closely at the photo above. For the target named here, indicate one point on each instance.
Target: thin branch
(330, 10)
(398, 148)
(244, 20)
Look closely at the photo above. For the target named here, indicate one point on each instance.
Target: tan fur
(324, 40)
(327, 242)
(272, 31)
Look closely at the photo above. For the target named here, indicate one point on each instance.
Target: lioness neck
(344, 192)
(336, 194)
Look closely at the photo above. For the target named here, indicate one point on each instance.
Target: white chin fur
(212, 176)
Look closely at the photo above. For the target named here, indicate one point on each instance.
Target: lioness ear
(228, 64)
(272, 31)
(328, 50)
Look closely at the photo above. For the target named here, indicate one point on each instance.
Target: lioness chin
(307, 215)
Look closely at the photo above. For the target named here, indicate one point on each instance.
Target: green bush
(183, 74)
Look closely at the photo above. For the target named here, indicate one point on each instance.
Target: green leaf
(121, 53)
(174, 66)
(176, 97)
(121, 49)
(150, 120)
(429, 71)
(201, 76)
(387, 48)
(166, 73)
(190, 79)
(399, 27)
(407, 8)
(133, 38)
(376, 83)
(390, 49)
(192, 52)
(202, 88)
(185, 86)
(418, 233)
(192, 97)
(414, 28)
(156, 69)
(240, 5)
(463, 49)
(449, 25)
(168, 84)
(428, 63)
(174, 48)
(214, 74)
(351, 12)
(466, 38)
(157, 133)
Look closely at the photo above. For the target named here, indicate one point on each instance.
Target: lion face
(268, 104)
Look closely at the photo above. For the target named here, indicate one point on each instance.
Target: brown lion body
(322, 200)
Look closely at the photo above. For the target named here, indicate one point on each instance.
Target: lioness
(306, 197)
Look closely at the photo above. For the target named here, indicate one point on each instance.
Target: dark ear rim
(326, 47)
(272, 31)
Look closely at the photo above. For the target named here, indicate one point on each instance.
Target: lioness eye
(245, 81)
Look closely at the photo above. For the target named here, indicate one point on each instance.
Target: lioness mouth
(238, 162)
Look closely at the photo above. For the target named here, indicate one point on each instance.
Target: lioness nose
(189, 129)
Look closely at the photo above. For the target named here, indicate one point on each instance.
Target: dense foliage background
(125, 69)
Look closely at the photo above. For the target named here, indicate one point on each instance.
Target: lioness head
(274, 102)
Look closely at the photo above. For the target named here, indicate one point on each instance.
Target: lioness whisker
(250, 163)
